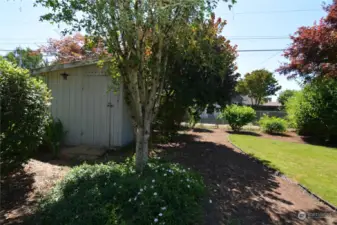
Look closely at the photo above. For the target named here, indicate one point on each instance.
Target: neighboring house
(270, 108)
(245, 100)
(90, 111)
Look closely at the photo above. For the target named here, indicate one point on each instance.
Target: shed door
(96, 111)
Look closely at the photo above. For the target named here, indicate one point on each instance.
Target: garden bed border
(279, 174)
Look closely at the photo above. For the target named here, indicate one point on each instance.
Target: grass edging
(284, 176)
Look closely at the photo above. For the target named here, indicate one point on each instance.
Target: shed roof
(63, 66)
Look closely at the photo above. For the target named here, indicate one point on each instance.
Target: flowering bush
(115, 194)
(24, 114)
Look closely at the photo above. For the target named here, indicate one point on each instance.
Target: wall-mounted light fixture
(64, 75)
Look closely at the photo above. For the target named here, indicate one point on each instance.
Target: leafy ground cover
(114, 194)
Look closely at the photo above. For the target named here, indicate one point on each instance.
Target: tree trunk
(142, 145)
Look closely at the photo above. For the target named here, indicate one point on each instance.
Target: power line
(274, 11)
(243, 50)
(269, 58)
(23, 43)
(261, 38)
(261, 50)
(229, 37)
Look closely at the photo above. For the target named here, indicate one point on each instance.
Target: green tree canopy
(285, 95)
(138, 34)
(313, 111)
(26, 58)
(258, 85)
(202, 74)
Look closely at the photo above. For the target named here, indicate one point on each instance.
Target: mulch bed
(240, 190)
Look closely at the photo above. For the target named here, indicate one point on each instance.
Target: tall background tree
(313, 51)
(285, 95)
(138, 34)
(74, 48)
(26, 58)
(202, 69)
(258, 85)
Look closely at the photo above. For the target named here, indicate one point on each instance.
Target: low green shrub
(114, 194)
(273, 125)
(24, 114)
(54, 135)
(238, 116)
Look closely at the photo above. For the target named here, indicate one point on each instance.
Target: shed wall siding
(127, 128)
(81, 103)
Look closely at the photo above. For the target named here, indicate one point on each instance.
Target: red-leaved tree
(74, 48)
(313, 52)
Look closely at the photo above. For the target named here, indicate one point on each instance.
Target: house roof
(272, 104)
(63, 66)
(245, 100)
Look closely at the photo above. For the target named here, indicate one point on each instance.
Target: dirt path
(19, 197)
(244, 191)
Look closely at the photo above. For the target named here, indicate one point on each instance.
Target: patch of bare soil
(19, 194)
(242, 190)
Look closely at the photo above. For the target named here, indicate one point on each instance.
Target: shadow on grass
(320, 142)
(251, 133)
(279, 134)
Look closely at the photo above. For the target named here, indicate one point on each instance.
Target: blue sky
(20, 26)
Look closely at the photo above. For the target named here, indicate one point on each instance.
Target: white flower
(144, 187)
(184, 170)
(210, 201)
(138, 193)
(188, 186)
(155, 220)
(120, 186)
(153, 180)
(160, 214)
(142, 203)
(115, 184)
(129, 199)
(141, 190)
(155, 194)
(135, 199)
(187, 180)
(163, 208)
(165, 174)
(151, 186)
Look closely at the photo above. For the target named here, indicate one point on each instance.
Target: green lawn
(313, 166)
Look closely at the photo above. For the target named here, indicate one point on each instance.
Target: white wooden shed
(91, 113)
